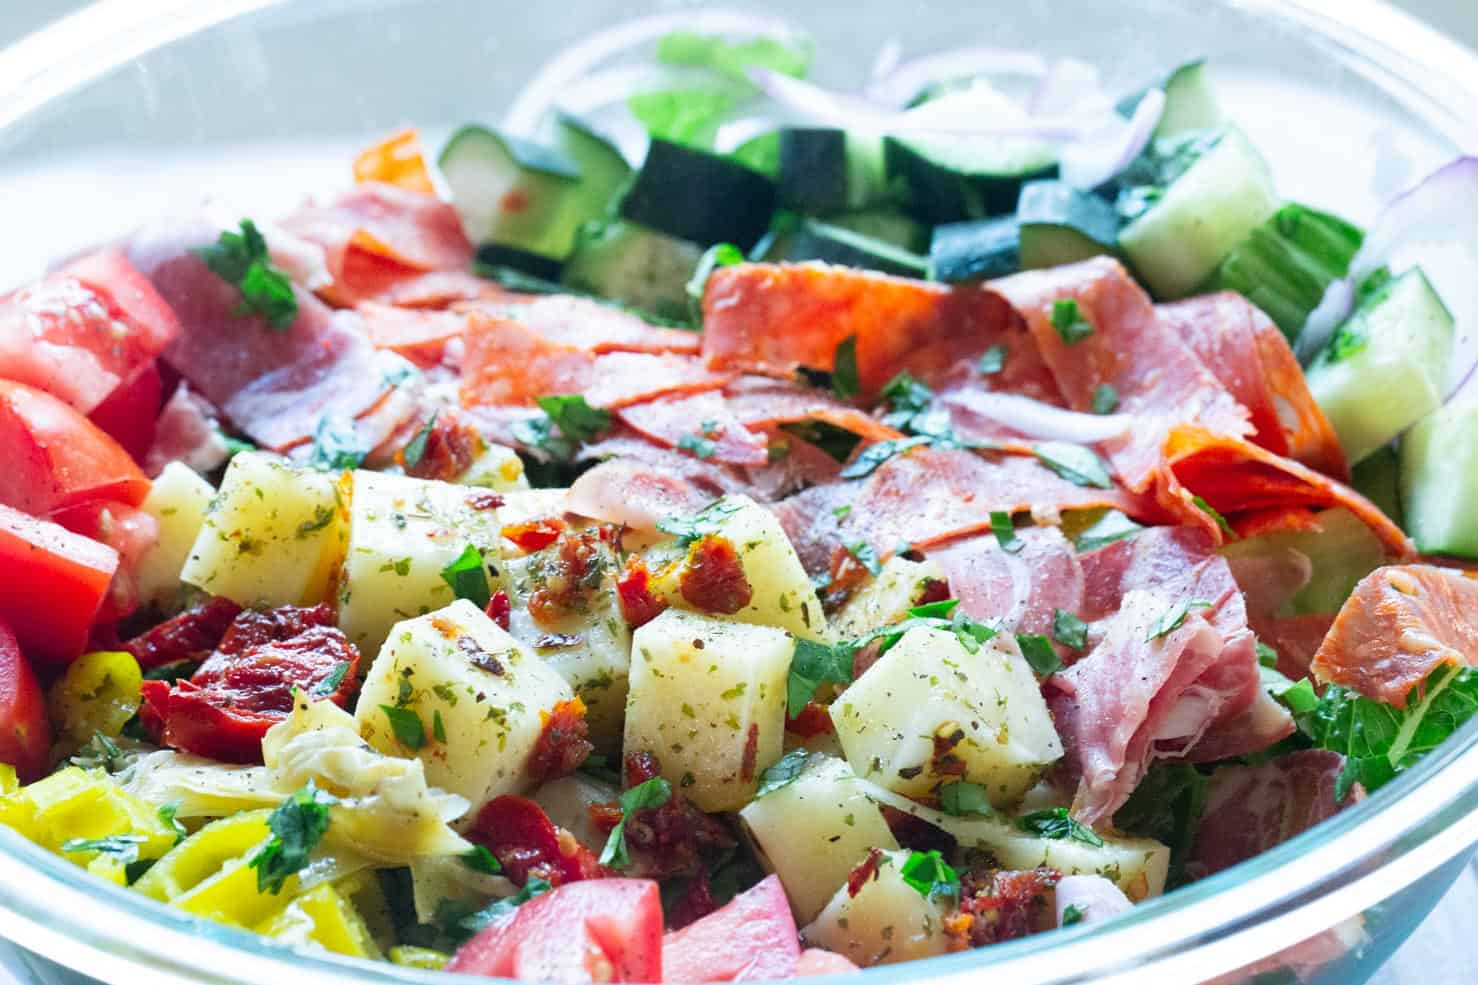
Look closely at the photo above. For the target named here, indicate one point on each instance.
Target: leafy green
(1215, 514)
(705, 523)
(785, 772)
(865, 555)
(1005, 531)
(717, 255)
(407, 726)
(688, 116)
(1077, 464)
(124, 848)
(1105, 399)
(1112, 526)
(1068, 319)
(1068, 629)
(1380, 741)
(331, 682)
(242, 259)
(844, 378)
(1057, 824)
(336, 445)
(1266, 655)
(457, 921)
(166, 815)
(876, 454)
(1167, 806)
(1071, 914)
(930, 876)
(962, 798)
(644, 796)
(734, 58)
(479, 859)
(1173, 617)
(575, 420)
(415, 449)
(906, 398)
(1039, 654)
(811, 664)
(298, 825)
(99, 752)
(468, 577)
(992, 360)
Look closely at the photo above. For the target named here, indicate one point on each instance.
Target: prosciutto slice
(1250, 809)
(587, 324)
(1157, 377)
(774, 319)
(1019, 588)
(1251, 358)
(760, 403)
(636, 495)
(704, 423)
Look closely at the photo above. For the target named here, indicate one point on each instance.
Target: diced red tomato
(130, 532)
(752, 938)
(500, 609)
(245, 687)
(52, 583)
(129, 413)
(25, 732)
(819, 961)
(604, 930)
(55, 458)
(521, 837)
(84, 331)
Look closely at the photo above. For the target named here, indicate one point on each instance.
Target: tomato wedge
(52, 583)
(129, 413)
(606, 930)
(25, 732)
(55, 458)
(752, 938)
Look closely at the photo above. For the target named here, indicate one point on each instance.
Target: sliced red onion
(908, 78)
(1104, 154)
(1093, 897)
(1434, 225)
(1070, 85)
(1334, 307)
(1044, 422)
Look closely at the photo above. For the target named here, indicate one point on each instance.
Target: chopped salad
(735, 528)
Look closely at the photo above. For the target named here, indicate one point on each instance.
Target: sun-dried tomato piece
(813, 720)
(563, 744)
(696, 902)
(535, 535)
(667, 840)
(915, 833)
(567, 577)
(1003, 905)
(526, 843)
(864, 871)
(191, 635)
(254, 627)
(450, 447)
(634, 591)
(935, 590)
(500, 609)
(712, 579)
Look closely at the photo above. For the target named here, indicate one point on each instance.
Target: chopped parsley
(1071, 914)
(479, 859)
(577, 422)
(468, 577)
(876, 454)
(785, 772)
(166, 815)
(1005, 531)
(298, 825)
(705, 523)
(415, 449)
(700, 446)
(407, 726)
(331, 681)
(1039, 654)
(644, 796)
(1266, 655)
(810, 665)
(1057, 824)
(1105, 399)
(1173, 617)
(717, 255)
(336, 445)
(123, 848)
(1111, 527)
(906, 398)
(1068, 320)
(930, 875)
(1215, 514)
(866, 555)
(1069, 630)
(1167, 806)
(964, 799)
(845, 382)
(242, 259)
(1078, 464)
(992, 360)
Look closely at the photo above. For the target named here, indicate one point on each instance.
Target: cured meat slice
(1019, 588)
(587, 324)
(1401, 623)
(1156, 376)
(638, 496)
(702, 424)
(419, 335)
(761, 402)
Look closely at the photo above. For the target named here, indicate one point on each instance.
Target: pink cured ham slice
(638, 496)
(1021, 588)
(1250, 809)
(812, 519)
(587, 324)
(186, 432)
(1155, 374)
(700, 423)
(275, 385)
(761, 402)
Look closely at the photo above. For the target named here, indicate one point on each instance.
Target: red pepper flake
(562, 745)
(634, 591)
(500, 609)
(713, 580)
(751, 750)
(1005, 904)
(535, 535)
(864, 871)
(935, 590)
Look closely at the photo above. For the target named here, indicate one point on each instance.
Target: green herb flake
(1211, 511)
(1077, 464)
(1105, 399)
(1069, 630)
(415, 449)
(876, 454)
(1039, 654)
(1071, 914)
(930, 876)
(964, 799)
(644, 796)
(992, 360)
(166, 815)
(1057, 824)
(845, 382)
(1111, 527)
(1167, 806)
(468, 578)
(1005, 531)
(123, 848)
(336, 445)
(700, 446)
(705, 523)
(810, 665)
(1266, 655)
(407, 726)
(1172, 617)
(438, 728)
(331, 681)
(577, 423)
(1068, 320)
(785, 772)
(297, 827)
(479, 859)
(866, 555)
(242, 260)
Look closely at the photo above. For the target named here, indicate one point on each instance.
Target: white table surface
(1444, 949)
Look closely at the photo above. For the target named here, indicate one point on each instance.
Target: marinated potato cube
(496, 467)
(177, 501)
(887, 598)
(707, 699)
(403, 533)
(931, 711)
(455, 690)
(274, 534)
(886, 922)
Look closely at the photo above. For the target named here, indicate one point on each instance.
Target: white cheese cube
(177, 501)
(707, 699)
(887, 598)
(886, 922)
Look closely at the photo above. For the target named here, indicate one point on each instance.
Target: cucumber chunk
(1378, 479)
(1198, 219)
(1285, 265)
(1190, 101)
(1439, 458)
(827, 170)
(604, 172)
(1061, 224)
(963, 252)
(637, 266)
(536, 265)
(888, 225)
(1384, 368)
(951, 179)
(700, 197)
(811, 239)
(511, 191)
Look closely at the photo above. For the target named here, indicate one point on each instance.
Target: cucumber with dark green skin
(1439, 466)
(511, 191)
(536, 265)
(1061, 224)
(938, 188)
(1190, 101)
(700, 197)
(811, 239)
(966, 252)
(604, 172)
(823, 171)
(633, 265)
(887, 224)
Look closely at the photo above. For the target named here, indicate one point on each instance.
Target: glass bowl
(127, 110)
